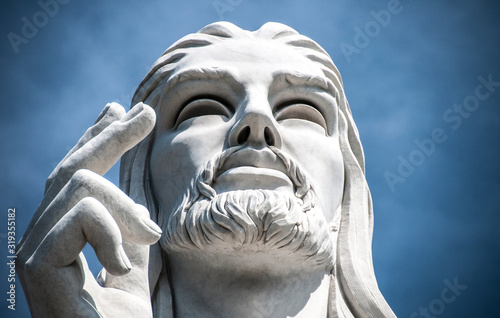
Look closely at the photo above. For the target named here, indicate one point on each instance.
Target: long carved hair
(353, 291)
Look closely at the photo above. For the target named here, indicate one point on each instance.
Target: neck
(246, 285)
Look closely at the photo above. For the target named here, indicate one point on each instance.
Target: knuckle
(83, 175)
(83, 180)
(21, 260)
(90, 203)
(65, 170)
(32, 269)
(88, 206)
(49, 181)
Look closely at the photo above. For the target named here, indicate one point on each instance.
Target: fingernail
(125, 259)
(115, 111)
(152, 225)
(103, 112)
(133, 112)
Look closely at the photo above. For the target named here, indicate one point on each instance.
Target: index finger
(101, 152)
(112, 112)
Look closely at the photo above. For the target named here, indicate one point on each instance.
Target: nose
(256, 127)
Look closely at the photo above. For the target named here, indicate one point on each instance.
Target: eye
(298, 109)
(201, 106)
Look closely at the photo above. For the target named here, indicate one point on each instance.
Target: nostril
(243, 135)
(268, 136)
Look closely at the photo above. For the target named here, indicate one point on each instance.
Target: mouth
(252, 158)
(252, 169)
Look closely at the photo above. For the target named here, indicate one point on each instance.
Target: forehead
(250, 59)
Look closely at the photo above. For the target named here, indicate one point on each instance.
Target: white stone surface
(249, 161)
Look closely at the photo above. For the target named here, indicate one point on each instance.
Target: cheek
(178, 156)
(321, 159)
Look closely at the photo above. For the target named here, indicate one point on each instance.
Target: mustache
(269, 157)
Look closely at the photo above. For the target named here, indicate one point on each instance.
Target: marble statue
(242, 192)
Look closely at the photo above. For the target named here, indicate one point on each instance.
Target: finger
(57, 292)
(133, 219)
(112, 112)
(101, 152)
(88, 221)
(116, 138)
(136, 282)
(57, 271)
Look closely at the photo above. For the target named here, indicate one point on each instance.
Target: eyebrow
(289, 76)
(301, 79)
(200, 73)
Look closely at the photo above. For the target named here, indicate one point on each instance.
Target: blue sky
(402, 77)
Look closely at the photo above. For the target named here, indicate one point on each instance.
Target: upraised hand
(81, 206)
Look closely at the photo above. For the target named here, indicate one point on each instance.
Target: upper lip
(250, 157)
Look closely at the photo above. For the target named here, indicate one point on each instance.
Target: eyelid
(224, 108)
(304, 110)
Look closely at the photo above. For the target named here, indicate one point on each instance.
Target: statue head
(255, 149)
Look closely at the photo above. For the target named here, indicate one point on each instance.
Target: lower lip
(248, 178)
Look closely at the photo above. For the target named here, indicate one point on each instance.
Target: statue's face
(251, 94)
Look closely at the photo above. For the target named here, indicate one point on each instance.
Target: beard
(277, 223)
